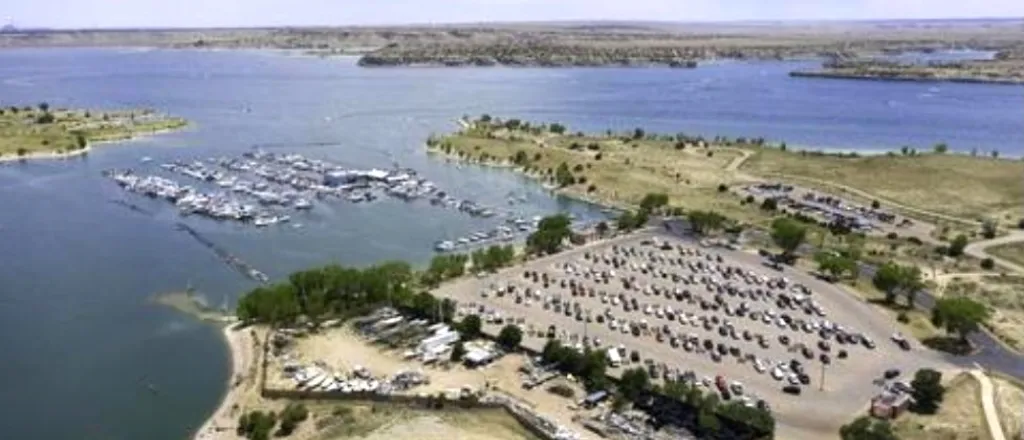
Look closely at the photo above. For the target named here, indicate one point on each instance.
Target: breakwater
(230, 259)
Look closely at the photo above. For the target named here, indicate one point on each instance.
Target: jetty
(234, 262)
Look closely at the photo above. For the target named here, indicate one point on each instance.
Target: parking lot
(687, 310)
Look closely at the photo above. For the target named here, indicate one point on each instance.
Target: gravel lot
(670, 277)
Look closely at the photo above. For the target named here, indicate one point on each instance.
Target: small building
(889, 405)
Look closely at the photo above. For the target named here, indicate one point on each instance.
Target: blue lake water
(81, 341)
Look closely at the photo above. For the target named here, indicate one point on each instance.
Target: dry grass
(1012, 252)
(918, 323)
(1009, 399)
(1002, 293)
(619, 172)
(950, 184)
(959, 418)
(384, 422)
(22, 131)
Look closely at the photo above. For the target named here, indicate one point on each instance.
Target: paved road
(988, 404)
(990, 353)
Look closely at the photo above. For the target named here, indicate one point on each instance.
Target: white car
(759, 366)
(777, 373)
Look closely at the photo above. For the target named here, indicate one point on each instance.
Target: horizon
(257, 14)
(498, 23)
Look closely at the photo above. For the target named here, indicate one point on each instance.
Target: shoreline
(910, 78)
(603, 204)
(47, 155)
(222, 419)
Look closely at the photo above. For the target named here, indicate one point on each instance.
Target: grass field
(959, 418)
(950, 184)
(614, 170)
(30, 131)
(1012, 252)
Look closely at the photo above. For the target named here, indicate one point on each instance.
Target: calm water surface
(81, 341)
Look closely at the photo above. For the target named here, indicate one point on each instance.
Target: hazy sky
(234, 13)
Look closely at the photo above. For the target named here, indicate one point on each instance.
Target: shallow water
(82, 342)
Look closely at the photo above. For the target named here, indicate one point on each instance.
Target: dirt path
(988, 404)
(979, 249)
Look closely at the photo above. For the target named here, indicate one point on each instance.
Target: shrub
(892, 236)
(722, 188)
(988, 264)
(562, 390)
(903, 317)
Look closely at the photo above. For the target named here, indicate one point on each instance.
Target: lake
(83, 344)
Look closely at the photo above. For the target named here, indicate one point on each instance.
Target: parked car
(791, 389)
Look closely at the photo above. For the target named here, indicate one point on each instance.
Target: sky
(252, 13)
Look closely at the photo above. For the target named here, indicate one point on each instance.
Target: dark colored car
(791, 389)
(891, 373)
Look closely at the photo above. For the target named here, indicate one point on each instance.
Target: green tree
(80, 141)
(927, 390)
(638, 133)
(788, 235)
(940, 148)
(550, 233)
(956, 247)
(458, 351)
(291, 416)
(835, 264)
(959, 315)
(707, 422)
(520, 158)
(556, 128)
(867, 428)
(510, 337)
(989, 228)
(894, 279)
(653, 201)
(601, 229)
(634, 382)
(552, 351)
(769, 204)
(563, 176)
(44, 107)
(470, 327)
(704, 222)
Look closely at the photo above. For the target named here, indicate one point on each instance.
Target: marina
(263, 189)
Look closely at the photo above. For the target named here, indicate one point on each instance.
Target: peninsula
(41, 132)
(1006, 68)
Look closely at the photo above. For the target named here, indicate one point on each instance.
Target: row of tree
(550, 234)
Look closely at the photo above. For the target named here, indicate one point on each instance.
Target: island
(40, 132)
(1006, 68)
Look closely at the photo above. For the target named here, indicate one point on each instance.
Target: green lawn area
(24, 131)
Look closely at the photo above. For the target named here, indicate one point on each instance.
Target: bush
(892, 236)
(988, 264)
(722, 187)
(903, 318)
(563, 390)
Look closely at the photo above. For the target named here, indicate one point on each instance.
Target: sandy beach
(243, 383)
(46, 155)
